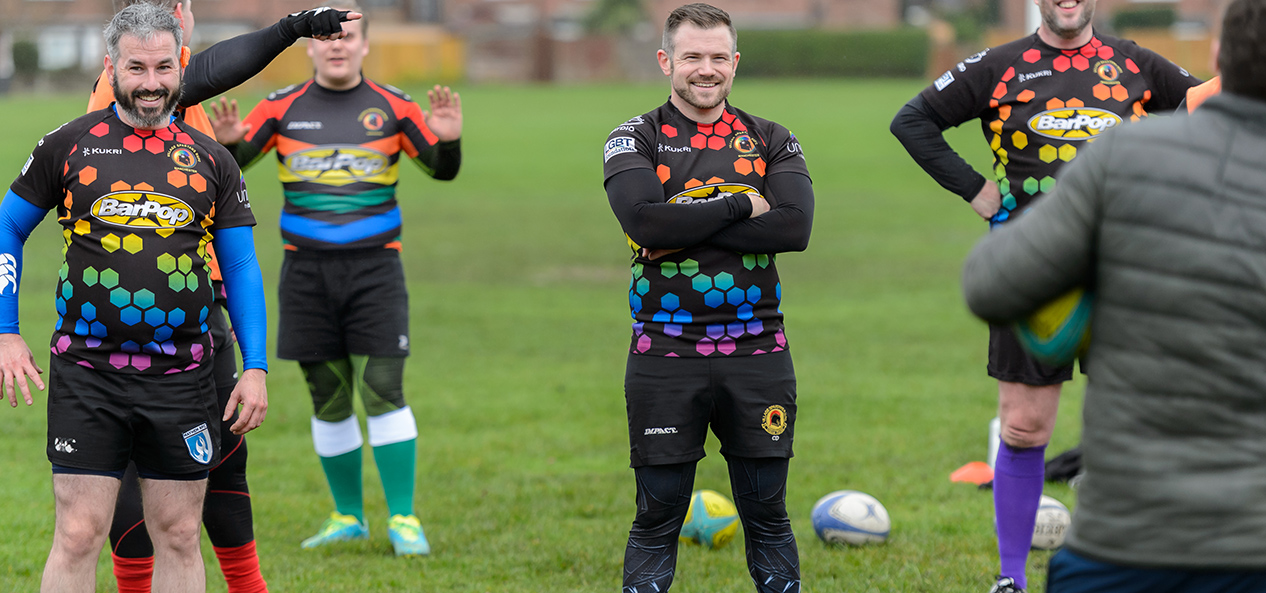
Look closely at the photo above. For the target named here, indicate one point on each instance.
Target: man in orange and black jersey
(707, 195)
(227, 512)
(1039, 100)
(339, 138)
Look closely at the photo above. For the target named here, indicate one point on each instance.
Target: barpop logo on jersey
(1073, 124)
(336, 163)
(715, 191)
(142, 209)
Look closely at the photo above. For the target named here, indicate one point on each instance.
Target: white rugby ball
(1052, 524)
(850, 517)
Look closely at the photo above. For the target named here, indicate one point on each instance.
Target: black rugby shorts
(1009, 362)
(98, 420)
(749, 401)
(336, 303)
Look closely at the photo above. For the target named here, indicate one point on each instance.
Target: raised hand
(445, 117)
(227, 123)
(322, 24)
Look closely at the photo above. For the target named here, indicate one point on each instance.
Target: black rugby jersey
(704, 300)
(338, 156)
(1039, 105)
(137, 208)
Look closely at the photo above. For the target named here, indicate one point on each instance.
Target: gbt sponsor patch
(618, 145)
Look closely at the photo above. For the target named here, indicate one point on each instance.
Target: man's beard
(147, 117)
(1052, 21)
(687, 94)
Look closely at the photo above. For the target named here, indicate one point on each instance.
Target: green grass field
(518, 277)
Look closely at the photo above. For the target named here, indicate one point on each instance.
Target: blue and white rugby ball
(851, 517)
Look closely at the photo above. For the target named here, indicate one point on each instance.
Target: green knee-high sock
(343, 474)
(396, 466)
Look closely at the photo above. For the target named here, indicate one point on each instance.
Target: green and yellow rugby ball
(1059, 332)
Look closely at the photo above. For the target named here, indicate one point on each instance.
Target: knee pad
(332, 439)
(330, 383)
(396, 426)
(380, 381)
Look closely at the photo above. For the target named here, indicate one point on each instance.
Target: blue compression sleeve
(18, 218)
(245, 287)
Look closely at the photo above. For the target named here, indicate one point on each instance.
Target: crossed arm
(747, 223)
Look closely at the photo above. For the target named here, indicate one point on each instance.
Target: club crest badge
(198, 441)
(774, 420)
(373, 119)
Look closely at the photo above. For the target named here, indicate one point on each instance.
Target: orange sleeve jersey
(338, 158)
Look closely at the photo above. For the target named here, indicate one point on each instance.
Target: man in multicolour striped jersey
(343, 303)
(140, 194)
(707, 194)
(1039, 100)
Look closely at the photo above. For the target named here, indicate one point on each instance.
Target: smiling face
(701, 69)
(147, 79)
(1067, 21)
(338, 62)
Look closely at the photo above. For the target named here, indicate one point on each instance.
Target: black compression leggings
(663, 497)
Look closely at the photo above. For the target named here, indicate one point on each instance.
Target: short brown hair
(1242, 57)
(704, 16)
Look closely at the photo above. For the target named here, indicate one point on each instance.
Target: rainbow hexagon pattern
(179, 270)
(135, 307)
(717, 290)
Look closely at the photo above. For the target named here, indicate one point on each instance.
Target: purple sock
(1017, 488)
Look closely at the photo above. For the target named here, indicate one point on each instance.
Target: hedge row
(1144, 17)
(898, 53)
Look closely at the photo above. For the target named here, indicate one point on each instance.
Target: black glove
(317, 22)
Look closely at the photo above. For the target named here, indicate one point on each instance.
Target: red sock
(240, 566)
(134, 575)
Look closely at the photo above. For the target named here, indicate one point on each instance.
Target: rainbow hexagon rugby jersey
(704, 300)
(338, 158)
(137, 209)
(1038, 105)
